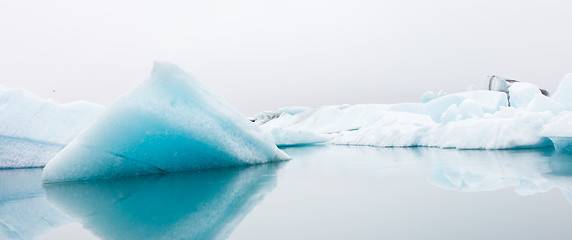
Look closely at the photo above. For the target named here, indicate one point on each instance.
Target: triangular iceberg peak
(169, 123)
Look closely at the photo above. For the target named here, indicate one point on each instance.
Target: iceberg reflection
(527, 171)
(24, 212)
(194, 205)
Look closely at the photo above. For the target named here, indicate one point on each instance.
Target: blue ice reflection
(194, 205)
(24, 211)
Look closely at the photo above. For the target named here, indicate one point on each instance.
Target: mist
(262, 55)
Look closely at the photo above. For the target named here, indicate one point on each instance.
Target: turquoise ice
(169, 123)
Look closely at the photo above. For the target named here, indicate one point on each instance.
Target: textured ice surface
(522, 93)
(559, 130)
(169, 123)
(541, 103)
(563, 93)
(287, 137)
(26, 116)
(33, 130)
(427, 96)
(24, 153)
(475, 119)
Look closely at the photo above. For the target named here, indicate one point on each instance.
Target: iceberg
(169, 123)
(427, 96)
(287, 137)
(476, 119)
(25, 153)
(563, 93)
(520, 94)
(559, 130)
(33, 130)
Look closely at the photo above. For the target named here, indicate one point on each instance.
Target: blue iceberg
(169, 123)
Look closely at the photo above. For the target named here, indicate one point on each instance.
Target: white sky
(261, 55)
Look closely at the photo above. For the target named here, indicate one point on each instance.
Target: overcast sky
(262, 55)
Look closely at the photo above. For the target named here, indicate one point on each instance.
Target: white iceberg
(476, 119)
(563, 93)
(33, 130)
(25, 115)
(521, 93)
(169, 123)
(559, 130)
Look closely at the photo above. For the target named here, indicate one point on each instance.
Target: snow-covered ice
(559, 130)
(563, 93)
(427, 96)
(476, 119)
(168, 123)
(520, 94)
(25, 115)
(33, 130)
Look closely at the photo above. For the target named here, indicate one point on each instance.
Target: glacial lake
(324, 192)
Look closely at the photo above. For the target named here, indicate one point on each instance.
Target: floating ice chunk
(450, 114)
(541, 103)
(33, 130)
(328, 119)
(469, 120)
(288, 137)
(522, 93)
(488, 101)
(427, 96)
(25, 153)
(169, 123)
(563, 93)
(441, 93)
(562, 143)
(469, 108)
(559, 126)
(396, 129)
(559, 130)
(517, 131)
(264, 117)
(25, 115)
(472, 87)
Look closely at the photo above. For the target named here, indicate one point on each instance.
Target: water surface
(324, 192)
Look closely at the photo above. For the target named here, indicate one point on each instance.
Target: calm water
(325, 192)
